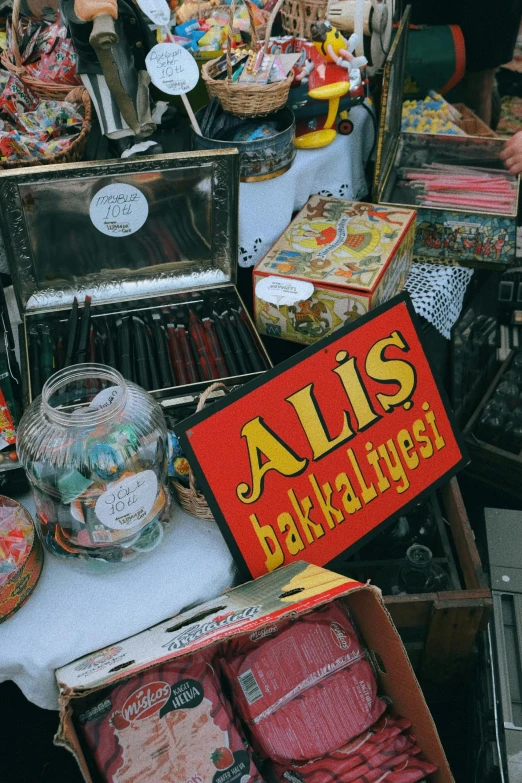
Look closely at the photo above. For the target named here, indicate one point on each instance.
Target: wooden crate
(496, 467)
(473, 125)
(439, 629)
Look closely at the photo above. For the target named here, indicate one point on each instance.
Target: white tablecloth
(266, 208)
(73, 611)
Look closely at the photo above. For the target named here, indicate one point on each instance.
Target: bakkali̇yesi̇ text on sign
(314, 456)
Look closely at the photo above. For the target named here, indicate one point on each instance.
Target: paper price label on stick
(172, 69)
(157, 11)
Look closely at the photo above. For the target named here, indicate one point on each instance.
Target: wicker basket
(77, 147)
(247, 100)
(39, 87)
(189, 498)
(298, 15)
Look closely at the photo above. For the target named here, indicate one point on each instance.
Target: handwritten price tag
(172, 69)
(119, 210)
(127, 504)
(157, 11)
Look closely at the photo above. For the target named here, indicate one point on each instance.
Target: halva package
(169, 724)
(313, 666)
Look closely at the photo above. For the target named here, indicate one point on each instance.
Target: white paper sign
(105, 398)
(119, 210)
(278, 291)
(172, 69)
(157, 11)
(126, 504)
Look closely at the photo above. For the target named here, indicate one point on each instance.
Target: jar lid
(21, 556)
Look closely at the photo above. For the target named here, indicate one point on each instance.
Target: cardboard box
(336, 261)
(287, 592)
(137, 235)
(468, 236)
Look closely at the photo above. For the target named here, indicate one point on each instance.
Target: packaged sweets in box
(170, 724)
(21, 557)
(94, 448)
(336, 260)
(127, 710)
(313, 666)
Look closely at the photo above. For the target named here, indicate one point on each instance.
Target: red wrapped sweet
(313, 666)
(169, 724)
(385, 749)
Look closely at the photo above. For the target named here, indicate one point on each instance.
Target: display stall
(217, 566)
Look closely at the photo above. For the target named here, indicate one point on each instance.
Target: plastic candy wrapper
(178, 463)
(314, 665)
(46, 51)
(15, 98)
(51, 118)
(16, 538)
(48, 130)
(385, 748)
(170, 724)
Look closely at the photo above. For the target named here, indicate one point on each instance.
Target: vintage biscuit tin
(337, 260)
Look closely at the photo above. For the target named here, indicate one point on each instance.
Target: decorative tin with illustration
(337, 260)
(21, 557)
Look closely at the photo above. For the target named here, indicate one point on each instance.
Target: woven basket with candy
(41, 55)
(35, 131)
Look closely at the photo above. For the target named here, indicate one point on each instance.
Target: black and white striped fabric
(111, 122)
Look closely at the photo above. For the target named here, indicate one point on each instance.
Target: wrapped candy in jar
(94, 448)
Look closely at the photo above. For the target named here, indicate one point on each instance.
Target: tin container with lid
(147, 238)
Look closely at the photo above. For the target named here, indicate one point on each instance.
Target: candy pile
(46, 51)
(210, 33)
(30, 128)
(16, 538)
(431, 115)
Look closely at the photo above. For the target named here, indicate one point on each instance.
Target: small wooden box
(439, 629)
(468, 235)
(490, 464)
(473, 125)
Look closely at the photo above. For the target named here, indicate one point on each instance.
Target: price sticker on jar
(127, 504)
(119, 210)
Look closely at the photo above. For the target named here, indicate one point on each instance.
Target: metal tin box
(142, 235)
(336, 261)
(467, 236)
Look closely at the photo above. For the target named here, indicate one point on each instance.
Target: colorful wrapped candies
(94, 448)
(20, 557)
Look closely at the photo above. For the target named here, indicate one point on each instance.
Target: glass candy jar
(416, 574)
(94, 448)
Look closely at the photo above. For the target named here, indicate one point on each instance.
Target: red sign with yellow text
(314, 456)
